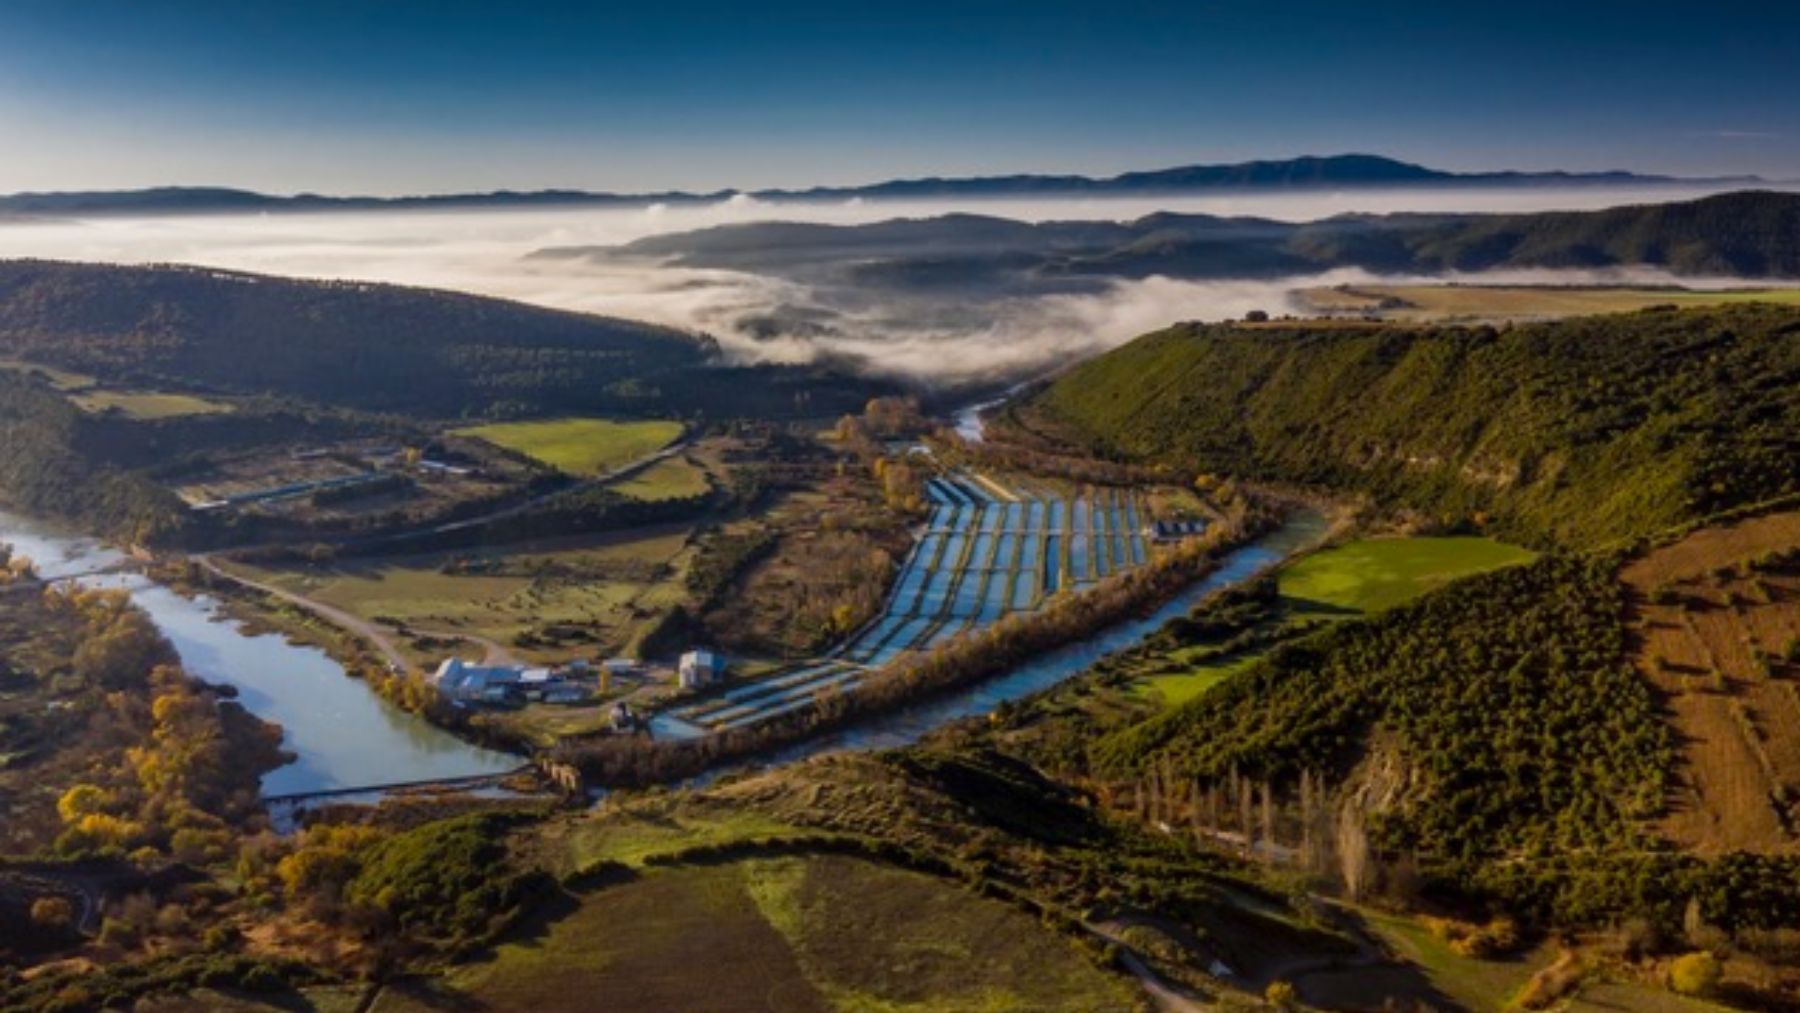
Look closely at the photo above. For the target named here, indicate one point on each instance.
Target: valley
(1339, 662)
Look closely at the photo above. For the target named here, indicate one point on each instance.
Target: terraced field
(988, 550)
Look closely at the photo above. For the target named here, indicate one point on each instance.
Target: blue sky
(403, 97)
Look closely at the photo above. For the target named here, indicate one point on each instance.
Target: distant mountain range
(1336, 171)
(1750, 234)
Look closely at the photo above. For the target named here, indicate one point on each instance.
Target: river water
(908, 725)
(342, 734)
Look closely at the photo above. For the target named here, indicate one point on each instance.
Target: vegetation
(578, 446)
(377, 347)
(45, 470)
(674, 478)
(1578, 431)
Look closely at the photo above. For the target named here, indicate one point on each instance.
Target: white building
(701, 668)
(460, 681)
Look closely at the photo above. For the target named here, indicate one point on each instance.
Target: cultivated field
(582, 447)
(1433, 302)
(1719, 618)
(788, 934)
(543, 602)
(146, 405)
(673, 478)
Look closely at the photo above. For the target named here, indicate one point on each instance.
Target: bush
(1694, 973)
(1280, 994)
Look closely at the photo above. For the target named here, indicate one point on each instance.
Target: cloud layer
(756, 318)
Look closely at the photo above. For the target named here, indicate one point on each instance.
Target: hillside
(1571, 432)
(1749, 234)
(372, 347)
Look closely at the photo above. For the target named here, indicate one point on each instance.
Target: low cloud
(953, 339)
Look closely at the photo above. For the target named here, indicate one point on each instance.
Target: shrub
(53, 913)
(1694, 973)
(1280, 995)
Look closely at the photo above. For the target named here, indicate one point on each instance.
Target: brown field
(835, 550)
(1713, 637)
(1420, 303)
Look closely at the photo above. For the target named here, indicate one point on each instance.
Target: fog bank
(759, 318)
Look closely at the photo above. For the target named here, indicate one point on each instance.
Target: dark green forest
(379, 347)
(1573, 432)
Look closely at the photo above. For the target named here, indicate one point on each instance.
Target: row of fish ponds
(988, 550)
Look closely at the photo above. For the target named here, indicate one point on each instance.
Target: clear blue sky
(399, 97)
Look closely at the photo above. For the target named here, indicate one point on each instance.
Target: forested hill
(1750, 234)
(1576, 431)
(376, 347)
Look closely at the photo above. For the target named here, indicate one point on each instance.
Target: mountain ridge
(1303, 172)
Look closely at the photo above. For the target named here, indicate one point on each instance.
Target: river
(342, 734)
(907, 725)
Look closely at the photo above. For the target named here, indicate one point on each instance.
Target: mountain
(1576, 432)
(1296, 173)
(372, 347)
(1743, 234)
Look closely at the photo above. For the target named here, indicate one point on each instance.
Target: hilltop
(1353, 170)
(1747, 234)
(365, 346)
(1573, 432)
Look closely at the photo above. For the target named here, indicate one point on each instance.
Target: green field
(1378, 573)
(672, 478)
(1355, 579)
(146, 405)
(791, 934)
(612, 586)
(580, 446)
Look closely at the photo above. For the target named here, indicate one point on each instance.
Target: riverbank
(340, 731)
(1010, 659)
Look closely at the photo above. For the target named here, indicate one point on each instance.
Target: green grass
(633, 838)
(812, 933)
(1375, 574)
(580, 446)
(1355, 579)
(673, 478)
(146, 405)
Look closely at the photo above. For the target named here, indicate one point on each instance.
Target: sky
(402, 97)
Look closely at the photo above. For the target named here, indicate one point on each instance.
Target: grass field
(580, 446)
(146, 405)
(1426, 302)
(672, 478)
(1358, 578)
(1378, 573)
(612, 588)
(61, 379)
(814, 933)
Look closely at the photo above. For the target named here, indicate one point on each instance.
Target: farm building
(460, 681)
(1174, 531)
(701, 668)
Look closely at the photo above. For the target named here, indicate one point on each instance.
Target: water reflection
(342, 734)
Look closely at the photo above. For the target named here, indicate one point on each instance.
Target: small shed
(701, 668)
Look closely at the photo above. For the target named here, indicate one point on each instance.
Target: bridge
(109, 570)
(470, 781)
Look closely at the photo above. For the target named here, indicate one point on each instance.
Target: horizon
(798, 192)
(340, 99)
